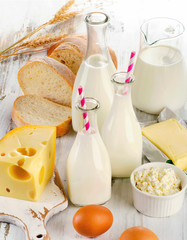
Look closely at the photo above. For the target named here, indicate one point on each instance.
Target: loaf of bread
(47, 78)
(36, 110)
(71, 51)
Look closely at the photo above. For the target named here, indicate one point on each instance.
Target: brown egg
(92, 220)
(138, 233)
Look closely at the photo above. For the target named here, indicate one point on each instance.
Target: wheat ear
(59, 15)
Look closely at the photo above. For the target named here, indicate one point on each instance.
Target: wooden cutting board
(33, 216)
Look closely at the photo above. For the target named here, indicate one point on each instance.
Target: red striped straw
(83, 105)
(130, 67)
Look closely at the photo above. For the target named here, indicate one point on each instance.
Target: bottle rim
(120, 77)
(93, 18)
(95, 102)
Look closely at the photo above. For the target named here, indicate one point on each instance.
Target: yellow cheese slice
(27, 157)
(171, 138)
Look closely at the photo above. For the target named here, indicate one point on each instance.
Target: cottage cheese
(156, 181)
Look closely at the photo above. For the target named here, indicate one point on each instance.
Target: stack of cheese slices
(47, 84)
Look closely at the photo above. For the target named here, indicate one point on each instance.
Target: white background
(123, 35)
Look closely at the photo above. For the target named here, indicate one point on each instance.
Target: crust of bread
(113, 57)
(61, 129)
(79, 43)
(81, 36)
(63, 47)
(52, 48)
(78, 40)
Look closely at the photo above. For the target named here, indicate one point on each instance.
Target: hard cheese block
(171, 138)
(27, 157)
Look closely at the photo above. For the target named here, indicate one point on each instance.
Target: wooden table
(19, 17)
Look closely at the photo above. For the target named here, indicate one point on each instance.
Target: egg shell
(92, 220)
(138, 233)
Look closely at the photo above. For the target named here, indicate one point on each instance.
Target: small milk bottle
(121, 131)
(96, 69)
(88, 164)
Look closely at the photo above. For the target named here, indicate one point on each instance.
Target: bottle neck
(88, 115)
(96, 36)
(92, 118)
(122, 87)
(124, 93)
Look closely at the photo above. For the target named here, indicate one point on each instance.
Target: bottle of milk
(96, 69)
(88, 164)
(121, 131)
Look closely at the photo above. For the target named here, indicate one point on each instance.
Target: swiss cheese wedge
(27, 157)
(171, 138)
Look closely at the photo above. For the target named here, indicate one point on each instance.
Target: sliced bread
(48, 78)
(79, 42)
(35, 110)
(71, 51)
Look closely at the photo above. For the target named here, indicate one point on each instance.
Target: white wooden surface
(19, 16)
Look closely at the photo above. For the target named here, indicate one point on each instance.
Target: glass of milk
(88, 164)
(121, 131)
(160, 72)
(96, 69)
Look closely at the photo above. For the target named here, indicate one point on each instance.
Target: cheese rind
(171, 138)
(27, 157)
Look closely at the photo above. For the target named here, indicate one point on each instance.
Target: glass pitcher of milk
(88, 164)
(96, 69)
(121, 131)
(160, 72)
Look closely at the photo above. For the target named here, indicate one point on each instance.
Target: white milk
(161, 80)
(121, 134)
(88, 171)
(94, 76)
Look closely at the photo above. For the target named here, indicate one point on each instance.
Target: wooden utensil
(33, 216)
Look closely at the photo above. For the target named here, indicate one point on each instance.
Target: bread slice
(79, 42)
(48, 78)
(71, 51)
(36, 110)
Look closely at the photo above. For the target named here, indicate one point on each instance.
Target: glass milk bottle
(121, 131)
(96, 69)
(160, 71)
(88, 165)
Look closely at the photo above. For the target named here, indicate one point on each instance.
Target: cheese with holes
(27, 158)
(171, 138)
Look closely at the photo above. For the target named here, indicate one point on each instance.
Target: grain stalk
(40, 41)
(31, 46)
(61, 16)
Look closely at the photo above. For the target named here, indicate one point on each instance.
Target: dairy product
(121, 134)
(156, 181)
(171, 138)
(27, 157)
(94, 76)
(88, 170)
(161, 79)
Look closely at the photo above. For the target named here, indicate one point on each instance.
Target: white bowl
(158, 206)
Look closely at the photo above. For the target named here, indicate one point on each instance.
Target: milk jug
(96, 69)
(88, 164)
(121, 131)
(160, 72)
